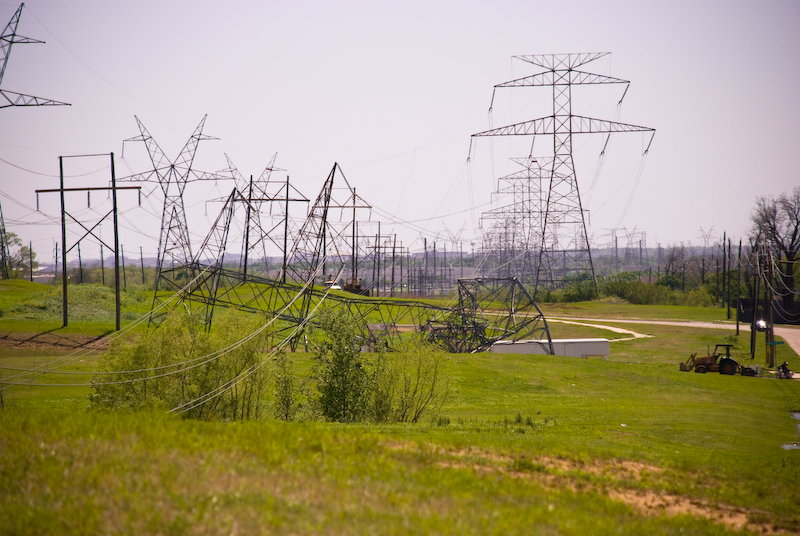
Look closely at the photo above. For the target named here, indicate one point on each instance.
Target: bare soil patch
(49, 340)
(562, 472)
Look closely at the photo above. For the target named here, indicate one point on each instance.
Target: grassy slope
(568, 467)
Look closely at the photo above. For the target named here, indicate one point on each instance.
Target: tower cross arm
(589, 125)
(544, 125)
(547, 125)
(9, 98)
(562, 61)
(551, 78)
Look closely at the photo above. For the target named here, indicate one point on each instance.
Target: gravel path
(789, 334)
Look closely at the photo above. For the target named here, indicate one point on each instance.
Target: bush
(580, 289)
(420, 381)
(397, 386)
(285, 388)
(179, 363)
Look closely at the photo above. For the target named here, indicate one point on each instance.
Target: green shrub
(396, 386)
(285, 388)
(179, 364)
(415, 381)
(341, 370)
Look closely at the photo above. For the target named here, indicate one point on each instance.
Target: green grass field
(523, 445)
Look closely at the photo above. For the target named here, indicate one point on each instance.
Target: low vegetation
(442, 443)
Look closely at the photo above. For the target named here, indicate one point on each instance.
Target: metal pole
(122, 256)
(770, 315)
(141, 257)
(80, 264)
(724, 264)
(394, 246)
(756, 291)
(247, 228)
(285, 233)
(102, 267)
(423, 279)
(728, 279)
(378, 252)
(435, 275)
(30, 258)
(738, 284)
(63, 243)
(116, 241)
(401, 267)
(354, 254)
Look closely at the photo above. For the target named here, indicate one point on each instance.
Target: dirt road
(789, 334)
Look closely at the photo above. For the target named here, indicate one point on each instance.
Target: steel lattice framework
(564, 252)
(487, 310)
(512, 232)
(270, 231)
(174, 245)
(8, 38)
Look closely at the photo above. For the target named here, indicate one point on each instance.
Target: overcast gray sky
(392, 91)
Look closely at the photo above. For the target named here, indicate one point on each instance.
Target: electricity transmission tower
(7, 39)
(513, 231)
(564, 253)
(175, 258)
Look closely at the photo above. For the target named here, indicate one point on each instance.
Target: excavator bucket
(689, 364)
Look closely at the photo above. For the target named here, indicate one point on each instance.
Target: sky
(392, 92)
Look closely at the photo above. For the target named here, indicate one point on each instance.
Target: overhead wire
(83, 352)
(193, 363)
(210, 395)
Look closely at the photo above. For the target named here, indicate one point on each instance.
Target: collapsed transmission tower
(564, 252)
(265, 232)
(7, 39)
(488, 310)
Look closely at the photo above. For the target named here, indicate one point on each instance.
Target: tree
(20, 256)
(343, 373)
(776, 221)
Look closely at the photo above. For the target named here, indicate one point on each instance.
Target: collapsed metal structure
(487, 310)
(550, 245)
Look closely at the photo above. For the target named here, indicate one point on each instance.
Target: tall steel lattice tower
(564, 253)
(175, 258)
(8, 38)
